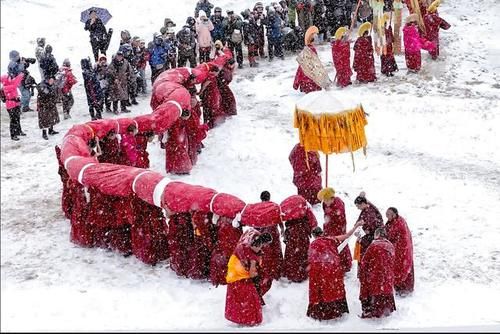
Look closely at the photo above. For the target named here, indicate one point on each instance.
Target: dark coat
(47, 108)
(123, 73)
(49, 65)
(218, 31)
(205, 6)
(97, 31)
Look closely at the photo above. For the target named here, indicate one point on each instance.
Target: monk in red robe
(327, 298)
(201, 248)
(335, 222)
(180, 239)
(371, 218)
(297, 234)
(149, 232)
(66, 197)
(433, 23)
(243, 301)
(377, 277)
(341, 54)
(211, 99)
(224, 78)
(302, 81)
(387, 60)
(364, 63)
(81, 232)
(142, 139)
(177, 149)
(196, 131)
(227, 239)
(399, 235)
(306, 173)
(110, 149)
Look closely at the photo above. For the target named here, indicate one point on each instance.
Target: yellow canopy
(326, 125)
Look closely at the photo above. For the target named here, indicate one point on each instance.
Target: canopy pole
(326, 172)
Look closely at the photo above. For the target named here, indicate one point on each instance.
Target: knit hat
(66, 62)
(219, 44)
(364, 28)
(326, 194)
(14, 55)
(202, 13)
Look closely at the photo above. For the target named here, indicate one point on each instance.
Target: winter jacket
(97, 31)
(203, 30)
(47, 105)
(186, 39)
(49, 66)
(120, 74)
(274, 28)
(218, 31)
(39, 53)
(142, 57)
(229, 29)
(69, 79)
(250, 31)
(205, 6)
(92, 85)
(158, 55)
(10, 89)
(101, 72)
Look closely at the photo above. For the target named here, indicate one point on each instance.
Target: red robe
(177, 149)
(228, 101)
(399, 235)
(122, 218)
(297, 236)
(327, 298)
(387, 61)
(377, 279)
(110, 151)
(243, 303)
(149, 232)
(335, 224)
(100, 216)
(227, 238)
(180, 239)
(433, 23)
(66, 198)
(200, 250)
(372, 220)
(272, 258)
(81, 228)
(364, 63)
(341, 54)
(196, 132)
(303, 82)
(306, 178)
(211, 99)
(142, 149)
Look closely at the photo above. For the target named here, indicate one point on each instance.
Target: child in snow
(10, 97)
(413, 44)
(341, 53)
(67, 80)
(364, 62)
(387, 61)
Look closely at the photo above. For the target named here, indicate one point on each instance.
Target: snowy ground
(433, 153)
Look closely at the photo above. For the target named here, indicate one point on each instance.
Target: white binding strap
(158, 191)
(137, 177)
(80, 175)
(136, 124)
(117, 127)
(212, 202)
(68, 160)
(177, 105)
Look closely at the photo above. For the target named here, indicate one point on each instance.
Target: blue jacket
(158, 54)
(274, 28)
(218, 32)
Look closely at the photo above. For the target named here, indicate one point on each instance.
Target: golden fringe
(332, 133)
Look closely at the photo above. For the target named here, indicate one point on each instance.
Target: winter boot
(26, 109)
(44, 134)
(14, 138)
(98, 114)
(134, 101)
(22, 134)
(123, 106)
(52, 131)
(66, 115)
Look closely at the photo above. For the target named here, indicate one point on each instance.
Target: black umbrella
(102, 13)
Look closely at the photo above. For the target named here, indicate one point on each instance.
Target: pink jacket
(129, 149)
(10, 86)
(413, 42)
(203, 30)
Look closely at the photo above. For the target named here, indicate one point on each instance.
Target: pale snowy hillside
(433, 152)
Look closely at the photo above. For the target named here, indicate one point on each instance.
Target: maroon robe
(177, 149)
(100, 216)
(327, 298)
(81, 228)
(387, 61)
(272, 258)
(149, 232)
(201, 249)
(228, 101)
(306, 173)
(142, 149)
(335, 224)
(180, 239)
(302, 81)
(341, 54)
(364, 63)
(433, 23)
(122, 218)
(211, 100)
(227, 238)
(372, 220)
(377, 280)
(297, 234)
(110, 149)
(243, 302)
(399, 235)
(66, 197)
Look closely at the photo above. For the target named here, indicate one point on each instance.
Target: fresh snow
(433, 152)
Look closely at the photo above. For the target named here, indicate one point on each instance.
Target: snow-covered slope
(433, 154)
